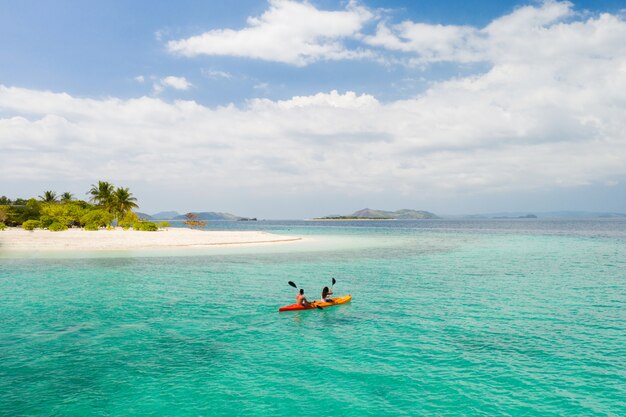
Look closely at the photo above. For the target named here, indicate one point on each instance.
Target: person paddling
(326, 295)
(301, 299)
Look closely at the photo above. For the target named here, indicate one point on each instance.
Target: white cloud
(177, 83)
(217, 74)
(550, 112)
(290, 32)
(488, 133)
(431, 42)
(265, 87)
(298, 33)
(140, 79)
(528, 35)
(320, 100)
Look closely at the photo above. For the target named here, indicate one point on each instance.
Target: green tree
(15, 215)
(69, 214)
(45, 221)
(9, 215)
(66, 197)
(48, 197)
(30, 211)
(97, 218)
(101, 194)
(5, 201)
(75, 210)
(123, 202)
(127, 220)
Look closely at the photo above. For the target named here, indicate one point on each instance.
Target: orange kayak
(315, 304)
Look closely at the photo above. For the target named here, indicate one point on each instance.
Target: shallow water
(448, 318)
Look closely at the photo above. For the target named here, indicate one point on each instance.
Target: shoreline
(15, 240)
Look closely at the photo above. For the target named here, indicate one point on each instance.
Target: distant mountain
(549, 215)
(612, 215)
(580, 215)
(211, 215)
(404, 214)
(144, 216)
(165, 215)
(526, 216)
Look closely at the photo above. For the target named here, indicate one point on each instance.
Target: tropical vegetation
(107, 206)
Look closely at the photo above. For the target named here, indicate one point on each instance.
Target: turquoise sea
(489, 317)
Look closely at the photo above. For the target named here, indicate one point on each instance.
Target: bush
(146, 226)
(46, 221)
(125, 224)
(163, 225)
(99, 218)
(30, 224)
(18, 214)
(128, 220)
(91, 226)
(31, 210)
(4, 213)
(57, 227)
(3, 226)
(67, 213)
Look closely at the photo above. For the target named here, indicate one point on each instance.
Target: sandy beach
(17, 239)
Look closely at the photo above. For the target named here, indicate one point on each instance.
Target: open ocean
(486, 317)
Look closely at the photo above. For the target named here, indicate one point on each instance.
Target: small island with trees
(106, 221)
(107, 205)
(371, 214)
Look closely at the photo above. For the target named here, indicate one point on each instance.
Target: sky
(294, 109)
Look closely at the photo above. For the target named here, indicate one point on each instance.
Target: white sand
(16, 239)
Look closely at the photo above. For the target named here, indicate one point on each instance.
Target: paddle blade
(320, 308)
(334, 281)
(292, 284)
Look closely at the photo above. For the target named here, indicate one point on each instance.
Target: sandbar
(19, 240)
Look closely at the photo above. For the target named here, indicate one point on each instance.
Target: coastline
(20, 240)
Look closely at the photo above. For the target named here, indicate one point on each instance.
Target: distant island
(372, 214)
(526, 216)
(570, 215)
(211, 215)
(202, 215)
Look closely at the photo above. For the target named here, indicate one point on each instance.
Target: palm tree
(123, 202)
(66, 197)
(101, 194)
(48, 197)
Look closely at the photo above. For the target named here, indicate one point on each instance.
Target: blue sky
(288, 109)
